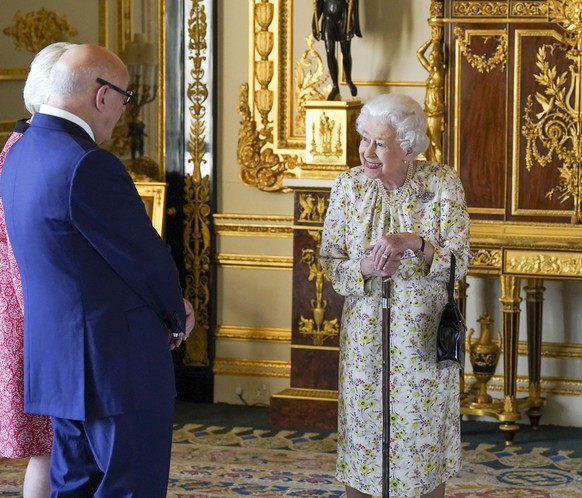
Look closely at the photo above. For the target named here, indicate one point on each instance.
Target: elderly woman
(401, 218)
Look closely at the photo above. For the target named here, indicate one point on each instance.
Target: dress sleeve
(454, 230)
(342, 269)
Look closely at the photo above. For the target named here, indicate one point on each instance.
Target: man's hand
(176, 339)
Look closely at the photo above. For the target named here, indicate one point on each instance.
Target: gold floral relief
(483, 63)
(38, 28)
(487, 258)
(529, 9)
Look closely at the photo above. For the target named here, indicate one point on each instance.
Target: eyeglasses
(127, 94)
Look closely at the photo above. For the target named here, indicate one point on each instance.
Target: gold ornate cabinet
(513, 133)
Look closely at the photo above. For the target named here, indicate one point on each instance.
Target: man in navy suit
(102, 299)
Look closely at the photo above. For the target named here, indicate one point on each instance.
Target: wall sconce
(140, 58)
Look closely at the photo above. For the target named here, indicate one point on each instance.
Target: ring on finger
(384, 256)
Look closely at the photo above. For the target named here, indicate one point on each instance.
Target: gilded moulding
(483, 63)
(241, 333)
(254, 368)
(197, 210)
(253, 225)
(255, 261)
(480, 9)
(38, 28)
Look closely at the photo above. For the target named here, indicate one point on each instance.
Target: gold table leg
(534, 304)
(510, 301)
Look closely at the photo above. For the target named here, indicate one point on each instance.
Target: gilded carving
(326, 138)
(553, 133)
(434, 99)
(437, 8)
(529, 9)
(484, 257)
(38, 28)
(317, 327)
(197, 209)
(309, 77)
(541, 264)
(480, 9)
(260, 166)
(312, 208)
(483, 63)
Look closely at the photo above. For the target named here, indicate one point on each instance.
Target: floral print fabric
(425, 447)
(21, 435)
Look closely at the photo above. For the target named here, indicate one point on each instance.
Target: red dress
(21, 435)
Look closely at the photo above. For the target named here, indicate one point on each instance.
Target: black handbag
(451, 330)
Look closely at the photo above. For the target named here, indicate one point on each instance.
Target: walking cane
(385, 387)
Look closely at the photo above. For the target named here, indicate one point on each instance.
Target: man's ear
(100, 98)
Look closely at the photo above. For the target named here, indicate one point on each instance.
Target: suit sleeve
(107, 209)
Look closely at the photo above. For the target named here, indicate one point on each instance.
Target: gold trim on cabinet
(242, 333)
(310, 394)
(255, 261)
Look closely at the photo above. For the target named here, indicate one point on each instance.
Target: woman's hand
(386, 254)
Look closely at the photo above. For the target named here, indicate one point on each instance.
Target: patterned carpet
(215, 461)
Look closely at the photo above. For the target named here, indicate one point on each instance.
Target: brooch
(425, 195)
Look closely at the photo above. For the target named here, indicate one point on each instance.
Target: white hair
(37, 86)
(403, 114)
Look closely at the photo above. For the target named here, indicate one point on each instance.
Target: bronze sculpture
(339, 24)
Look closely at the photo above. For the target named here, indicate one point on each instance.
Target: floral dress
(21, 435)
(425, 446)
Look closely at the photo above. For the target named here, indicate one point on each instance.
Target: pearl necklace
(395, 197)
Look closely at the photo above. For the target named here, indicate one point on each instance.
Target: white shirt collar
(61, 113)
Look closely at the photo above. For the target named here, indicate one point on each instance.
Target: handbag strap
(451, 286)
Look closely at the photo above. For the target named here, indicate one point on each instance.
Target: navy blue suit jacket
(100, 287)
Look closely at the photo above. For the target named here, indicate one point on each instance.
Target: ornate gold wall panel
(197, 210)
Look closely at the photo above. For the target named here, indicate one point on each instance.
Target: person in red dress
(22, 435)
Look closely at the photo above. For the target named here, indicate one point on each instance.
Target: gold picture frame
(153, 195)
